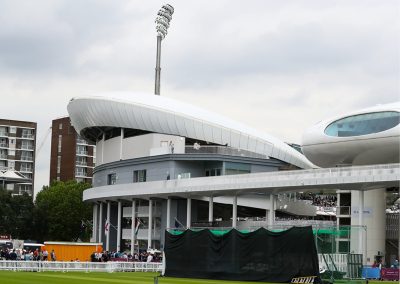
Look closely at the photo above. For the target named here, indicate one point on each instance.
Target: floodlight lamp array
(164, 16)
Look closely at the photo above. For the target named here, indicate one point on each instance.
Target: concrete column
(101, 228)
(149, 232)
(234, 212)
(120, 143)
(119, 226)
(168, 213)
(374, 219)
(189, 213)
(211, 209)
(109, 226)
(361, 222)
(102, 149)
(133, 235)
(94, 230)
(271, 214)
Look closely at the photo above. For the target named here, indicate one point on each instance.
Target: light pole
(164, 16)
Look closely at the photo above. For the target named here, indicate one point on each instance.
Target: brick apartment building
(71, 156)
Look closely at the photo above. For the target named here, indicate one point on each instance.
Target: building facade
(163, 164)
(17, 153)
(71, 156)
(364, 137)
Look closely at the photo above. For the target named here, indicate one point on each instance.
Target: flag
(106, 227)
(178, 224)
(138, 222)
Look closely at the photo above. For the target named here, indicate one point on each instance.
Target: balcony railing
(26, 147)
(82, 153)
(80, 163)
(81, 141)
(27, 136)
(80, 173)
(4, 145)
(3, 156)
(25, 169)
(26, 158)
(4, 133)
(222, 150)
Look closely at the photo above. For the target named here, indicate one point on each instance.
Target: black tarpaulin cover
(261, 255)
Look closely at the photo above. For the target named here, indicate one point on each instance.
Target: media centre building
(162, 164)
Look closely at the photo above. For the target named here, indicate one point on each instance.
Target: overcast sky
(278, 66)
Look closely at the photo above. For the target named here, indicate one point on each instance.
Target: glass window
(139, 176)
(59, 143)
(60, 126)
(112, 179)
(363, 124)
(13, 129)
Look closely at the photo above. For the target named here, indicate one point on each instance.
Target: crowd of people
(27, 255)
(319, 200)
(142, 256)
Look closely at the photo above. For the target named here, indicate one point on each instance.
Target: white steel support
(189, 213)
(133, 227)
(271, 215)
(234, 212)
(149, 232)
(211, 209)
(120, 143)
(95, 229)
(101, 228)
(168, 213)
(119, 226)
(361, 222)
(108, 226)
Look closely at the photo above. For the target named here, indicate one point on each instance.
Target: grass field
(10, 277)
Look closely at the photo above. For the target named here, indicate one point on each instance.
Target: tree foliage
(60, 212)
(16, 215)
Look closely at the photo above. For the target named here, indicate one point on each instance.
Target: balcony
(27, 158)
(4, 133)
(26, 169)
(81, 141)
(81, 163)
(3, 156)
(27, 147)
(222, 150)
(84, 153)
(27, 136)
(3, 145)
(80, 173)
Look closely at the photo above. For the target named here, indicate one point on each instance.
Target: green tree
(60, 212)
(16, 215)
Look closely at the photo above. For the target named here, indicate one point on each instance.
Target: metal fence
(40, 266)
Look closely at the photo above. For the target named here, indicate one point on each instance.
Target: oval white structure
(157, 114)
(361, 137)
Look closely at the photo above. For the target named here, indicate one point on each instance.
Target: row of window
(26, 133)
(138, 176)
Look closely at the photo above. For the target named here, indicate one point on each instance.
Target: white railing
(38, 266)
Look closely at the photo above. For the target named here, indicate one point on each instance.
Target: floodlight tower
(164, 16)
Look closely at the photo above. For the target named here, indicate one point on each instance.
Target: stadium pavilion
(161, 164)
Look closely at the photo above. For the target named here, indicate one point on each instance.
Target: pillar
(211, 209)
(149, 231)
(168, 213)
(109, 226)
(119, 226)
(189, 213)
(94, 230)
(101, 228)
(133, 228)
(234, 212)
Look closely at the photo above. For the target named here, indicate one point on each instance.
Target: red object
(390, 274)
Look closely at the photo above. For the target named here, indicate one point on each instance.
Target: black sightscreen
(261, 255)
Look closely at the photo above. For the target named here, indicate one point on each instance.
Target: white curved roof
(374, 148)
(164, 115)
